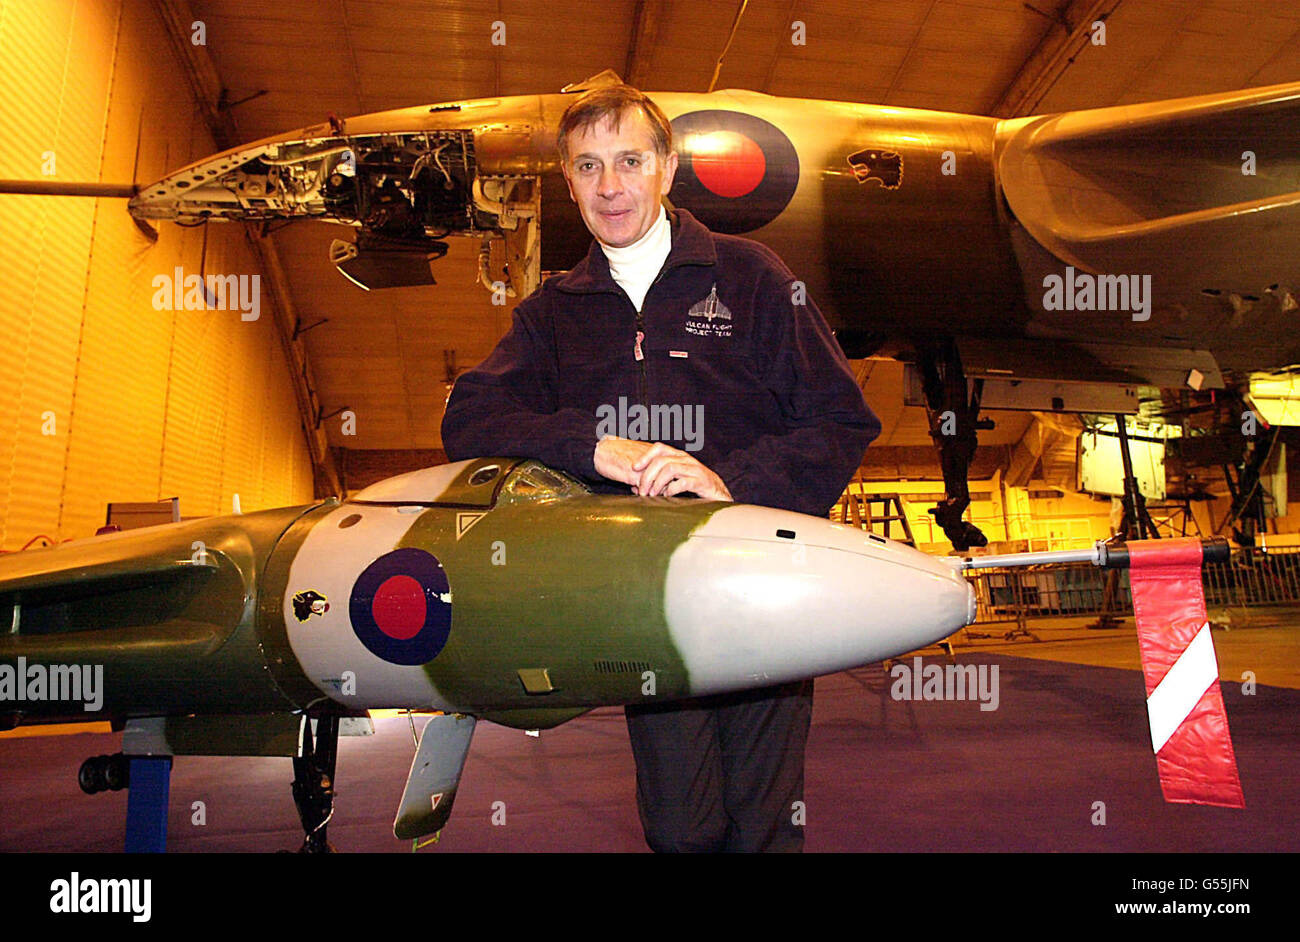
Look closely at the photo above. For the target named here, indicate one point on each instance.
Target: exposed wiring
(437, 159)
(50, 541)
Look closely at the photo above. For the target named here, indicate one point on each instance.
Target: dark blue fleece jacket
(784, 422)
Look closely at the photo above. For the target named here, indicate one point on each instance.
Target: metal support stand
(1247, 495)
(146, 804)
(1136, 524)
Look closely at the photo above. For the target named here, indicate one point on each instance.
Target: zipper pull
(640, 335)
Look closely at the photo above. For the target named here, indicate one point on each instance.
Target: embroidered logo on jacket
(709, 317)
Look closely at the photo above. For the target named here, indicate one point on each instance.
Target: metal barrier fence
(1252, 577)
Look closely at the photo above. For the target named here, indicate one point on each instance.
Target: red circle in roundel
(727, 163)
(398, 607)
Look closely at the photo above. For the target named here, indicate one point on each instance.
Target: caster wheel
(91, 776)
(117, 772)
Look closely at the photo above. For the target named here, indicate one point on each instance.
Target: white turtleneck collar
(635, 266)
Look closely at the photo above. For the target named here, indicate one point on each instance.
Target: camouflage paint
(172, 636)
(562, 601)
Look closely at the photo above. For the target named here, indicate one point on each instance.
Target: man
(664, 312)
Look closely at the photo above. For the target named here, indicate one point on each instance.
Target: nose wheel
(313, 782)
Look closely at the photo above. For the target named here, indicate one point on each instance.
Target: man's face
(616, 178)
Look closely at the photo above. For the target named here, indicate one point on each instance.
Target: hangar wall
(104, 397)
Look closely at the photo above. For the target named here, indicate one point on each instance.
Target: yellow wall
(102, 397)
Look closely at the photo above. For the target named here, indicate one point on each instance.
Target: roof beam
(1070, 33)
(199, 70)
(640, 50)
(782, 38)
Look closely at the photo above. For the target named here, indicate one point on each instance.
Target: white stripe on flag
(1182, 688)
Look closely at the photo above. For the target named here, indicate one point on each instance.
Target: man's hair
(611, 102)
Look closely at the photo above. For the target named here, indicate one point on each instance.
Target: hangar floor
(882, 774)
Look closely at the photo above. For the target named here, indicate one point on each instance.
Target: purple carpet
(882, 775)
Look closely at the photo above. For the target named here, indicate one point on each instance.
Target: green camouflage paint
(173, 637)
(543, 582)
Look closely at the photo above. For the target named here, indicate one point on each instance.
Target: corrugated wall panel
(197, 407)
(44, 273)
(240, 463)
(146, 403)
(105, 433)
(34, 43)
(286, 468)
(121, 382)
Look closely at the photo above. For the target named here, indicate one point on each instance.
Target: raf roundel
(401, 607)
(735, 172)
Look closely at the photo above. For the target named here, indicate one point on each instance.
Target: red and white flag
(1189, 727)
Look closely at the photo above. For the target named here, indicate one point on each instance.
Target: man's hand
(615, 457)
(657, 470)
(668, 472)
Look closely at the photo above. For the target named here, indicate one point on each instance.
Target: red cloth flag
(1189, 726)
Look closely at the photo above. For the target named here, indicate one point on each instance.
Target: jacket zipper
(639, 353)
(639, 348)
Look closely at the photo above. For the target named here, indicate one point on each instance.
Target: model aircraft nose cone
(764, 595)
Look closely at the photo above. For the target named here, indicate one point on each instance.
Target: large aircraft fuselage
(902, 223)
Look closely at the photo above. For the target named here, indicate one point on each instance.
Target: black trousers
(723, 773)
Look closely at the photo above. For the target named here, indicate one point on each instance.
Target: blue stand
(146, 804)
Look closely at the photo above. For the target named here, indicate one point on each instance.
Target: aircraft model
(1056, 262)
(481, 588)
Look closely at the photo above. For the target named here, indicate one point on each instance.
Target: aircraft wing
(1203, 192)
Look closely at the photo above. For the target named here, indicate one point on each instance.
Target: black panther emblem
(307, 603)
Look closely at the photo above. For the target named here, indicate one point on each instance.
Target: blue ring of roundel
(432, 636)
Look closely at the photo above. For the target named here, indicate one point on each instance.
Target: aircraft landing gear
(954, 423)
(313, 782)
(1135, 524)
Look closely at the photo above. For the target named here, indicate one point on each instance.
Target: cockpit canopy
(477, 483)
